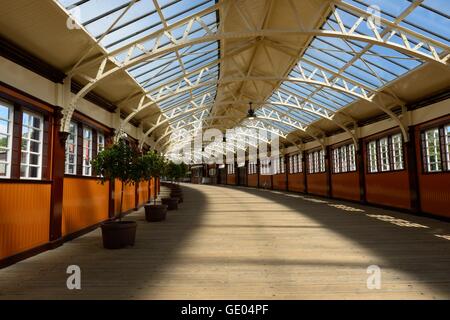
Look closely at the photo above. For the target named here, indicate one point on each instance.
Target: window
(100, 142)
(310, 163)
(447, 145)
(344, 159)
(436, 149)
(397, 152)
(87, 151)
(372, 147)
(231, 168)
(316, 161)
(386, 154)
(71, 150)
(322, 161)
(32, 138)
(352, 157)
(295, 163)
(291, 164)
(336, 161)
(6, 117)
(251, 167)
(299, 162)
(265, 167)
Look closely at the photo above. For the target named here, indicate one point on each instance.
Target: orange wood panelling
(265, 181)
(252, 180)
(317, 183)
(296, 182)
(85, 203)
(24, 217)
(128, 197)
(279, 181)
(345, 186)
(152, 187)
(389, 188)
(231, 179)
(434, 188)
(143, 192)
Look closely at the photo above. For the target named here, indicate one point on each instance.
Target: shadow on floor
(403, 241)
(109, 277)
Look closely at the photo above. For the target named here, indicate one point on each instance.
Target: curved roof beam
(183, 87)
(167, 143)
(136, 52)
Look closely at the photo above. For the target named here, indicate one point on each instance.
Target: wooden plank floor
(241, 243)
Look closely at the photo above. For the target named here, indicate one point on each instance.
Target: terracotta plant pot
(155, 213)
(172, 203)
(118, 234)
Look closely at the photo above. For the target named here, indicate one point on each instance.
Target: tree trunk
(121, 203)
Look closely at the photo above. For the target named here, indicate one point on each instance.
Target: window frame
(381, 142)
(90, 151)
(9, 136)
(75, 153)
(443, 144)
(28, 151)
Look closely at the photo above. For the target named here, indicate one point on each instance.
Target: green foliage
(154, 165)
(175, 171)
(118, 161)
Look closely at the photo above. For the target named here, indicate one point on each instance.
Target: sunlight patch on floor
(345, 208)
(396, 221)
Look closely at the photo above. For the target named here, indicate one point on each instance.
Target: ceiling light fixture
(251, 113)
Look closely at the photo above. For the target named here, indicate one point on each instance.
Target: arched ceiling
(308, 66)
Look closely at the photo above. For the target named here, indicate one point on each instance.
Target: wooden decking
(240, 243)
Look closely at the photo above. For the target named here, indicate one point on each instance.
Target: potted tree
(154, 165)
(170, 173)
(118, 161)
(179, 172)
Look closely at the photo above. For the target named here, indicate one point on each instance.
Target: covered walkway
(242, 243)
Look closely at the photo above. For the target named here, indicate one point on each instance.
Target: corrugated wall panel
(345, 186)
(279, 181)
(85, 203)
(231, 179)
(252, 180)
(143, 192)
(129, 197)
(24, 217)
(296, 182)
(265, 181)
(317, 184)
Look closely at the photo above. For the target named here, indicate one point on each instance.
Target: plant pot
(118, 234)
(176, 195)
(155, 213)
(172, 203)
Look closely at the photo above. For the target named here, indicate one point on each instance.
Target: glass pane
(25, 144)
(33, 172)
(34, 159)
(23, 171)
(35, 134)
(4, 126)
(25, 132)
(3, 169)
(4, 140)
(36, 122)
(3, 155)
(4, 112)
(35, 147)
(24, 158)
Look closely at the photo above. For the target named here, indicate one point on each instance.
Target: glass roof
(117, 23)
